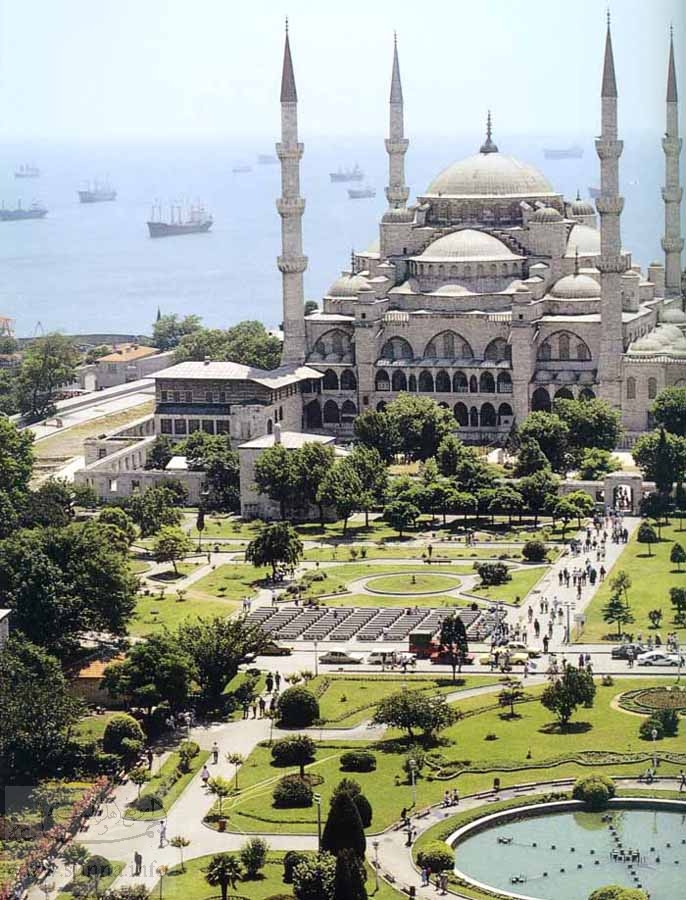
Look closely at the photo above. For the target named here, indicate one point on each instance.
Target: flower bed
(647, 700)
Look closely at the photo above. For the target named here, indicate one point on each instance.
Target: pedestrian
(254, 709)
(682, 780)
(425, 878)
(150, 756)
(262, 703)
(246, 709)
(215, 753)
(537, 628)
(163, 832)
(546, 642)
(205, 775)
(137, 863)
(444, 883)
(269, 682)
(277, 680)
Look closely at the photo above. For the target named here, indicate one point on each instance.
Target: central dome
(467, 244)
(490, 175)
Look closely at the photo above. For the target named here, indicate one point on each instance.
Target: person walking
(269, 681)
(150, 757)
(682, 780)
(205, 775)
(163, 832)
(137, 863)
(277, 680)
(215, 753)
(262, 703)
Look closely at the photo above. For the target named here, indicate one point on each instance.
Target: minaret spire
(612, 263)
(672, 192)
(396, 143)
(292, 263)
(488, 146)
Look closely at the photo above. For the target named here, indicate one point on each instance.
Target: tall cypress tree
(343, 829)
(349, 880)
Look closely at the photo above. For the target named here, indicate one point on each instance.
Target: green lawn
(179, 786)
(92, 728)
(525, 749)
(515, 590)
(68, 893)
(384, 600)
(338, 577)
(153, 614)
(231, 581)
(138, 566)
(651, 577)
(342, 553)
(191, 884)
(217, 526)
(413, 583)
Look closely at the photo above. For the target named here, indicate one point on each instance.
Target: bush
(97, 867)
(436, 856)
(298, 708)
(493, 573)
(535, 551)
(647, 727)
(187, 750)
(119, 729)
(253, 855)
(294, 751)
(290, 861)
(594, 790)
(149, 803)
(358, 761)
(292, 792)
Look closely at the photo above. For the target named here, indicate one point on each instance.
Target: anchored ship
(361, 193)
(196, 222)
(575, 152)
(241, 167)
(267, 159)
(35, 211)
(27, 171)
(97, 193)
(354, 174)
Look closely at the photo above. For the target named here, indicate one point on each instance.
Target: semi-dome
(576, 287)
(348, 285)
(545, 215)
(583, 240)
(468, 244)
(490, 174)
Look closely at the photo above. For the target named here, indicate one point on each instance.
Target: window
(331, 413)
(412, 384)
(443, 382)
(473, 385)
(165, 426)
(163, 396)
(102, 453)
(177, 396)
(652, 388)
(397, 348)
(180, 426)
(399, 381)
(487, 383)
(208, 426)
(564, 346)
(461, 414)
(382, 381)
(460, 383)
(223, 426)
(631, 388)
(189, 396)
(426, 383)
(582, 351)
(135, 485)
(487, 415)
(504, 383)
(330, 380)
(193, 426)
(113, 485)
(348, 380)
(208, 396)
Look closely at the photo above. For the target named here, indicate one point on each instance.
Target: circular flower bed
(410, 583)
(647, 700)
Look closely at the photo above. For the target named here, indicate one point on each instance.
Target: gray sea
(93, 268)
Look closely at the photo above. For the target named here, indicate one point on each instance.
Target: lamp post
(318, 800)
(375, 845)
(568, 630)
(316, 661)
(413, 775)
(653, 735)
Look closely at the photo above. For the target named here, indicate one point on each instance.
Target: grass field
(232, 581)
(515, 590)
(92, 728)
(413, 583)
(339, 577)
(77, 886)
(651, 577)
(153, 614)
(342, 552)
(178, 787)
(388, 600)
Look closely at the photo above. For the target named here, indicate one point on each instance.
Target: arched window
(467, 271)
(399, 381)
(313, 414)
(319, 349)
(442, 382)
(652, 388)
(330, 381)
(348, 380)
(504, 410)
(337, 343)
(348, 411)
(540, 400)
(474, 417)
(412, 384)
(270, 426)
(461, 414)
(487, 415)
(586, 394)
(504, 383)
(448, 345)
(480, 270)
(331, 414)
(473, 385)
(397, 348)
(497, 350)
(564, 346)
(426, 382)
(545, 351)
(564, 394)
(382, 381)
(381, 406)
(460, 383)
(582, 351)
(487, 383)
(631, 388)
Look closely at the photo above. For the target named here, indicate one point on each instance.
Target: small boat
(97, 193)
(35, 211)
(27, 171)
(196, 222)
(240, 168)
(267, 159)
(574, 152)
(354, 174)
(594, 192)
(361, 193)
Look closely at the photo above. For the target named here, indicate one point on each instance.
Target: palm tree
(220, 788)
(237, 760)
(179, 841)
(223, 871)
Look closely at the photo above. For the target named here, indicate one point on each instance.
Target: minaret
(292, 263)
(396, 144)
(612, 265)
(672, 242)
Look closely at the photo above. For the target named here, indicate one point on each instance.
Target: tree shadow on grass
(563, 730)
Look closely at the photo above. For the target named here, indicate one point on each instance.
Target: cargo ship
(267, 159)
(35, 211)
(354, 174)
(240, 168)
(97, 193)
(196, 222)
(574, 152)
(361, 193)
(27, 171)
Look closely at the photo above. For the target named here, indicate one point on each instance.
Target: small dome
(490, 174)
(348, 285)
(581, 207)
(583, 240)
(468, 244)
(576, 287)
(666, 340)
(398, 214)
(673, 315)
(546, 214)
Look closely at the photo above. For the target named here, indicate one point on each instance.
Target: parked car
(521, 647)
(658, 658)
(340, 658)
(274, 649)
(516, 657)
(444, 658)
(622, 651)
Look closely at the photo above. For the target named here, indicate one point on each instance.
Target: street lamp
(375, 845)
(413, 775)
(568, 631)
(653, 735)
(318, 800)
(316, 663)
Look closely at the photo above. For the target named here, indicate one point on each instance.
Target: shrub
(97, 867)
(535, 551)
(149, 803)
(647, 727)
(594, 790)
(358, 761)
(436, 856)
(290, 861)
(298, 708)
(492, 573)
(294, 751)
(292, 792)
(119, 729)
(253, 855)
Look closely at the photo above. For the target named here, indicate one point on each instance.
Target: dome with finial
(579, 207)
(545, 215)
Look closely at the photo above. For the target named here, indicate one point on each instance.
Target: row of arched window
(564, 345)
(335, 344)
(345, 382)
(631, 388)
(446, 345)
(331, 413)
(442, 383)
(541, 400)
(485, 416)
(465, 270)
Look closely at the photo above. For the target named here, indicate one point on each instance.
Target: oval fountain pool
(567, 855)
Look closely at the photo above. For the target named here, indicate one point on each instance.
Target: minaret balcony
(397, 193)
(672, 145)
(611, 206)
(606, 148)
(290, 151)
(672, 194)
(397, 146)
(291, 265)
(672, 244)
(613, 263)
(290, 206)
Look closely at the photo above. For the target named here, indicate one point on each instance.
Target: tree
(661, 458)
(118, 518)
(414, 711)
(647, 535)
(473, 474)
(49, 505)
(216, 648)
(75, 854)
(535, 551)
(574, 688)
(349, 877)
(275, 476)
(655, 616)
(530, 458)
(552, 435)
(313, 877)
(248, 343)
(168, 330)
(49, 362)
(368, 465)
(341, 487)
(450, 453)
(223, 871)
(538, 490)
(236, 760)
(591, 423)
(420, 423)
(311, 306)
(669, 410)
(276, 544)
(453, 640)
(377, 431)
(617, 892)
(171, 544)
(401, 515)
(677, 555)
(493, 573)
(212, 454)
(16, 467)
(253, 855)
(595, 463)
(664, 473)
(139, 776)
(154, 508)
(507, 500)
(566, 510)
(312, 463)
(582, 503)
(221, 789)
(121, 732)
(616, 611)
(511, 692)
(298, 707)
(180, 842)
(160, 453)
(677, 596)
(298, 750)
(343, 829)
(620, 584)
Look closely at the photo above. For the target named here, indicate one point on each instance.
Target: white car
(657, 658)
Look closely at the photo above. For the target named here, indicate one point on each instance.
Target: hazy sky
(107, 69)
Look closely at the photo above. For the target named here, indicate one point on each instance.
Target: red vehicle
(445, 658)
(422, 644)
